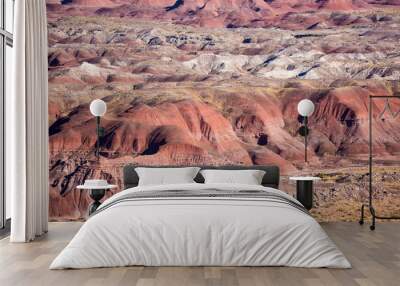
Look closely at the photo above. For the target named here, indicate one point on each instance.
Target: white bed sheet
(200, 232)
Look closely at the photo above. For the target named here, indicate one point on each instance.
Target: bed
(198, 224)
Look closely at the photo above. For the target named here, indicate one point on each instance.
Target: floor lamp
(394, 114)
(305, 108)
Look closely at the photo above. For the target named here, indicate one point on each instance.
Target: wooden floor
(375, 257)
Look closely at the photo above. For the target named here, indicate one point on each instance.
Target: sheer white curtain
(27, 124)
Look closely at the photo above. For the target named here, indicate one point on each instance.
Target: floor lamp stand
(98, 137)
(100, 134)
(305, 138)
(370, 197)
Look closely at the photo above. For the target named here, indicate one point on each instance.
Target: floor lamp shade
(98, 107)
(305, 107)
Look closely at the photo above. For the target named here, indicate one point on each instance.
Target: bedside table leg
(93, 207)
(304, 193)
(96, 196)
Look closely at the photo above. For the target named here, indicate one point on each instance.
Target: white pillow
(248, 177)
(166, 176)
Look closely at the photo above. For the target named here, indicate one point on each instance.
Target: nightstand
(97, 190)
(304, 190)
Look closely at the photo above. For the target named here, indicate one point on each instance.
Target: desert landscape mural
(200, 82)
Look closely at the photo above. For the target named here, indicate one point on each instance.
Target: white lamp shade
(98, 107)
(305, 107)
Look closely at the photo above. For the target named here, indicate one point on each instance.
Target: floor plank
(375, 257)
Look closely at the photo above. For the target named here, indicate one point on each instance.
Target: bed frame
(271, 177)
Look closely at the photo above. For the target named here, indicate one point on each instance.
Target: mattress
(201, 225)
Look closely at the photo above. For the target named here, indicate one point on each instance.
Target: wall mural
(197, 82)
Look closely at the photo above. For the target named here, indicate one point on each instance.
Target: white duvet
(202, 232)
